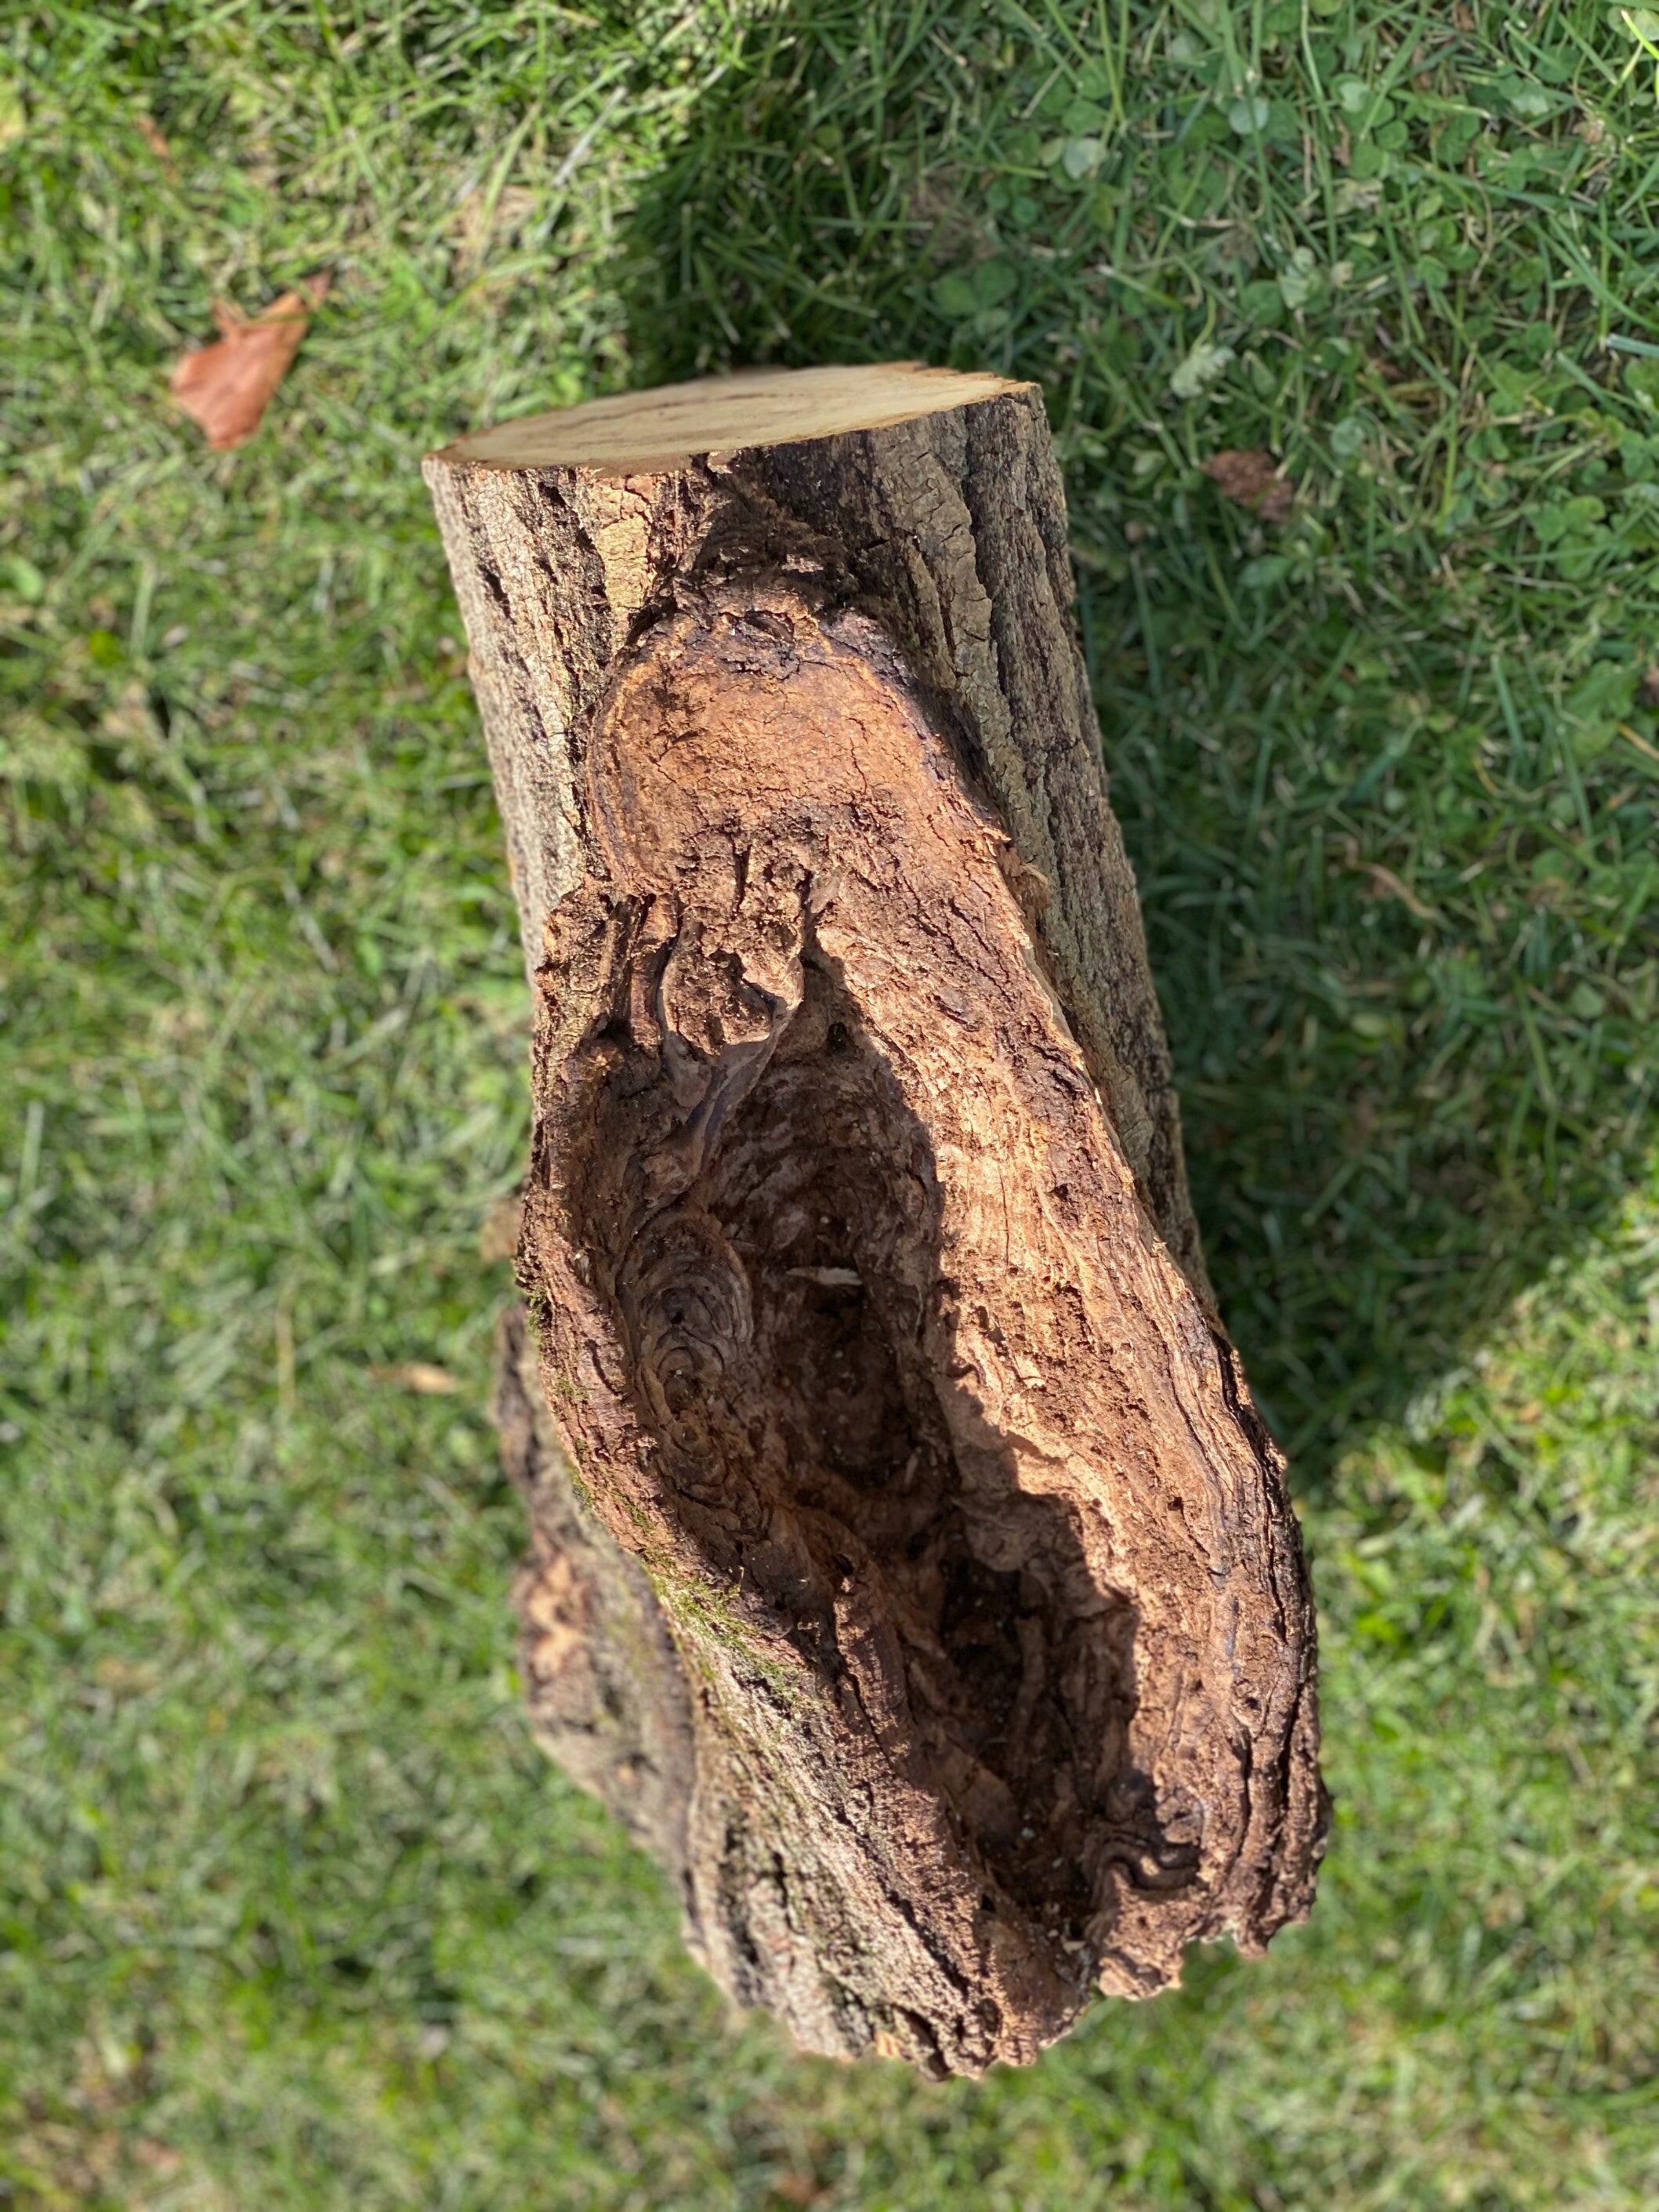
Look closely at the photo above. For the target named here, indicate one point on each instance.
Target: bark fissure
(957, 1651)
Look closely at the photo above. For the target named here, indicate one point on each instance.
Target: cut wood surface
(909, 1567)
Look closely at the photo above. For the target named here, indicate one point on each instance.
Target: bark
(910, 1566)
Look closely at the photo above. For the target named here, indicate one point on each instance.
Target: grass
(290, 1913)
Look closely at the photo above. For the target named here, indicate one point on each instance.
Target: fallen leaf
(156, 138)
(1648, 690)
(227, 387)
(1253, 480)
(417, 1374)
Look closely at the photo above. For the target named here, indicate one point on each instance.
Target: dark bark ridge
(925, 1590)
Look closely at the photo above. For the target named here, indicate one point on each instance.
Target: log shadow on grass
(1398, 1114)
(1405, 1050)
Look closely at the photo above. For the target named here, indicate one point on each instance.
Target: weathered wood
(926, 1593)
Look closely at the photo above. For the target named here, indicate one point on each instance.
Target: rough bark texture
(926, 1593)
(608, 1698)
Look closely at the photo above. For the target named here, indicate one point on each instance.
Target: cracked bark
(909, 1568)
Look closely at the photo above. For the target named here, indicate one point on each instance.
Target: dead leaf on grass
(226, 387)
(417, 1374)
(1252, 479)
(156, 138)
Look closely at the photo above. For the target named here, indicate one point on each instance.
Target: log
(909, 1567)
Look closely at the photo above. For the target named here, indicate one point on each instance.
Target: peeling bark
(922, 1586)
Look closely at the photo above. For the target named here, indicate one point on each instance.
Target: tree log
(910, 1569)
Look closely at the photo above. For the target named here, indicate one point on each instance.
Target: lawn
(291, 1914)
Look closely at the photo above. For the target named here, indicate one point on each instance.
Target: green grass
(290, 1913)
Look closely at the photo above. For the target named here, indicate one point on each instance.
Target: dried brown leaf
(156, 138)
(227, 387)
(1252, 478)
(417, 1374)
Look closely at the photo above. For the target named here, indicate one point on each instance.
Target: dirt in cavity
(792, 1331)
